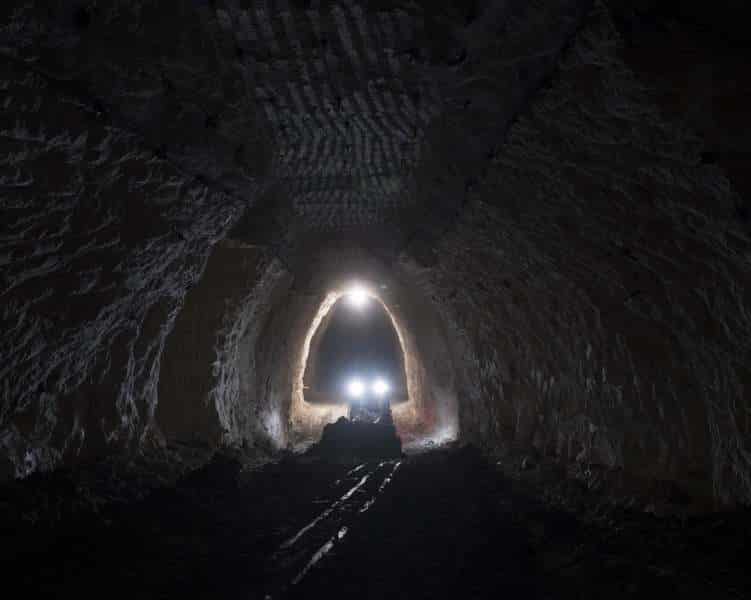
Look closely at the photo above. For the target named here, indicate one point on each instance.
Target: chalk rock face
(209, 387)
(596, 271)
(542, 195)
(101, 239)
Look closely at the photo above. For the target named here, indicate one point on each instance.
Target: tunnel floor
(440, 524)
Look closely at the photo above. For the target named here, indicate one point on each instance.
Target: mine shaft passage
(356, 359)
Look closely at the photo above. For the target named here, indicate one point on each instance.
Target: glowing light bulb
(357, 297)
(381, 387)
(355, 387)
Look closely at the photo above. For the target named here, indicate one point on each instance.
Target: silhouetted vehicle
(373, 411)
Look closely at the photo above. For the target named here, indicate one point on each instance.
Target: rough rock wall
(602, 278)
(691, 56)
(161, 69)
(100, 240)
(207, 387)
(247, 412)
(431, 357)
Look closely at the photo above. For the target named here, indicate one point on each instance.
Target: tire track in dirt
(297, 555)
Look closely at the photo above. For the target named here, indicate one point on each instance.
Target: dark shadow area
(359, 440)
(442, 524)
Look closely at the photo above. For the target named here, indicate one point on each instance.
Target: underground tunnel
(328, 297)
(355, 355)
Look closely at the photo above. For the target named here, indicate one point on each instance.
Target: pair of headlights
(357, 387)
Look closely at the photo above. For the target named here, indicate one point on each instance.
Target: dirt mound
(356, 439)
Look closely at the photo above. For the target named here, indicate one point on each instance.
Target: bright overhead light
(355, 387)
(380, 387)
(357, 296)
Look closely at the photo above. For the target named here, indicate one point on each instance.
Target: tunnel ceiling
(353, 93)
(322, 116)
(369, 119)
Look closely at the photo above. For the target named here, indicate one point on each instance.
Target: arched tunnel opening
(355, 357)
(362, 360)
(288, 354)
(417, 299)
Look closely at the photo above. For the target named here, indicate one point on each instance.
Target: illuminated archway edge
(307, 420)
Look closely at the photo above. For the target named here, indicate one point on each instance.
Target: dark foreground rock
(447, 523)
(221, 471)
(346, 438)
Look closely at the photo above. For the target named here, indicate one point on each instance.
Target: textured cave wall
(290, 334)
(127, 143)
(599, 274)
(431, 360)
(207, 379)
(160, 69)
(447, 357)
(692, 57)
(100, 240)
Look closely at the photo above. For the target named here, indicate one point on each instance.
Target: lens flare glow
(357, 296)
(355, 388)
(380, 387)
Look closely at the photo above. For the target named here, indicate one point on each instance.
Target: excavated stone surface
(100, 241)
(600, 275)
(161, 70)
(207, 386)
(583, 246)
